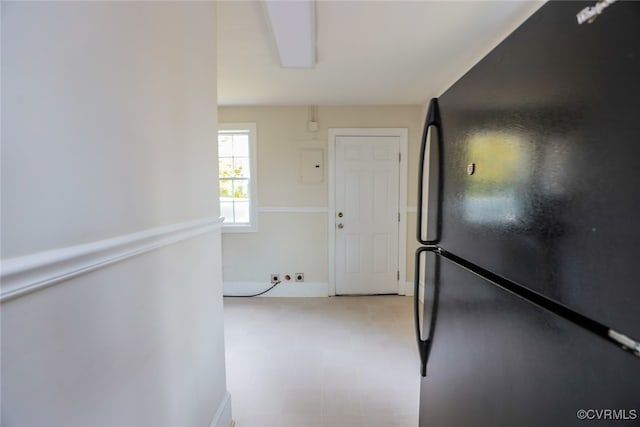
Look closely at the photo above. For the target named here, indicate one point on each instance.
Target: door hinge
(398, 275)
(625, 342)
(399, 157)
(398, 216)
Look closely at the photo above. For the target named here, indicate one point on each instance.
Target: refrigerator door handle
(423, 344)
(432, 120)
(625, 342)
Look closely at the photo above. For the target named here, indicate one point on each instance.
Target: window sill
(252, 228)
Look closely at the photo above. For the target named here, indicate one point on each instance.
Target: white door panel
(366, 201)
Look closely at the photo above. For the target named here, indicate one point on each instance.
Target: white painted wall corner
(406, 288)
(223, 416)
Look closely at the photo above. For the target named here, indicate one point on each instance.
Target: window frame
(252, 226)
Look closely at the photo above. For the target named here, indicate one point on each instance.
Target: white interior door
(367, 171)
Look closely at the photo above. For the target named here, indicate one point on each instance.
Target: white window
(237, 175)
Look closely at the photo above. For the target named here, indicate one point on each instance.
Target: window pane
(242, 212)
(226, 210)
(241, 167)
(225, 145)
(241, 189)
(225, 167)
(226, 188)
(241, 145)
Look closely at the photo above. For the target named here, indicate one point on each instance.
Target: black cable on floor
(254, 295)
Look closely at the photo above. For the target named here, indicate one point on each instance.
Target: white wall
(109, 124)
(296, 241)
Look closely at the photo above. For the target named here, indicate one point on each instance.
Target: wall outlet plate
(299, 277)
(275, 277)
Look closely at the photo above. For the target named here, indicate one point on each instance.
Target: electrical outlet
(299, 277)
(275, 277)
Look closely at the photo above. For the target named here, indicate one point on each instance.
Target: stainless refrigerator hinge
(625, 341)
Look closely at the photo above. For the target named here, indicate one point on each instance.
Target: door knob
(341, 226)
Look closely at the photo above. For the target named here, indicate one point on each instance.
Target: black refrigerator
(529, 221)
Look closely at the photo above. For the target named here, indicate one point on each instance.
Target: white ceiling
(368, 52)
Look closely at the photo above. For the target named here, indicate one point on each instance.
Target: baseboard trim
(23, 275)
(223, 417)
(283, 290)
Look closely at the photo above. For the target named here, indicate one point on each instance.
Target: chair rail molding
(23, 275)
(293, 209)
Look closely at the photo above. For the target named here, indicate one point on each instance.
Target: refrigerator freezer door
(541, 147)
(497, 360)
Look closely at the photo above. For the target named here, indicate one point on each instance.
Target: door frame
(403, 135)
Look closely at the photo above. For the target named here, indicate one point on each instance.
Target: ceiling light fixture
(293, 24)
